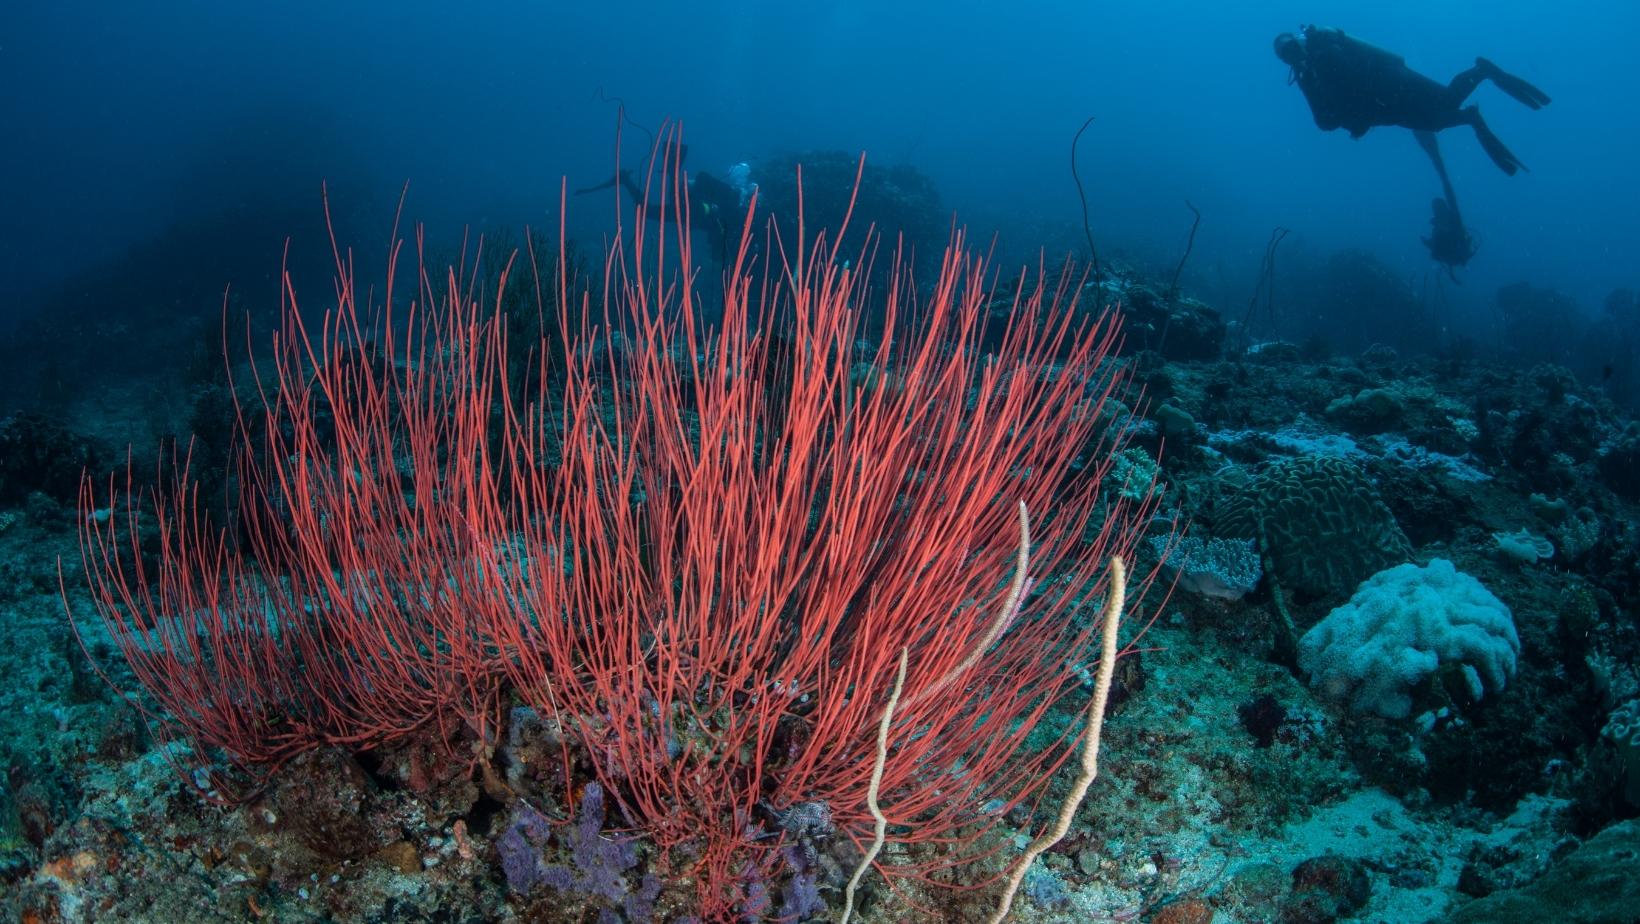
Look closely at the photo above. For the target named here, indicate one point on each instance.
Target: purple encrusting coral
(520, 848)
(598, 864)
(800, 896)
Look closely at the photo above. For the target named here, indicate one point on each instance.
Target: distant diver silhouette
(1356, 86)
(712, 203)
(1450, 243)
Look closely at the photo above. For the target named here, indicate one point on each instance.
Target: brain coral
(1319, 520)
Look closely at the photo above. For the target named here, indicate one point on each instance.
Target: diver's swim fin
(1502, 156)
(1522, 91)
(607, 184)
(622, 176)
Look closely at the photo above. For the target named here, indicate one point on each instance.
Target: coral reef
(1401, 625)
(1479, 762)
(1320, 521)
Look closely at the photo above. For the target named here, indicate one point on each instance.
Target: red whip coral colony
(700, 551)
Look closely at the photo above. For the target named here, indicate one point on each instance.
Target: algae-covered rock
(1594, 883)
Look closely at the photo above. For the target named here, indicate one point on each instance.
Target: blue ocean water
(345, 634)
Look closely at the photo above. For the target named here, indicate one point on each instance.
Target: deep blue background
(118, 119)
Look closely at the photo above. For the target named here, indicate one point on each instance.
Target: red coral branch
(752, 522)
(352, 603)
(702, 550)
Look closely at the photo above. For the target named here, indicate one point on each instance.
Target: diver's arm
(1320, 99)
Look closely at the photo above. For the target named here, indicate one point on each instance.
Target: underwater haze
(126, 118)
(859, 462)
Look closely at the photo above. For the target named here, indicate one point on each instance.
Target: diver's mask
(1290, 49)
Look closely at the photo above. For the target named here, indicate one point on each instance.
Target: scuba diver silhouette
(715, 206)
(1356, 86)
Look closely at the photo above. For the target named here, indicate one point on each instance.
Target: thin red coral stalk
(351, 604)
(752, 522)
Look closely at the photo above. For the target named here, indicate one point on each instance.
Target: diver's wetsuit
(1356, 86)
(713, 207)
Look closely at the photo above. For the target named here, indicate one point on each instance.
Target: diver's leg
(631, 186)
(596, 187)
(1426, 140)
(652, 210)
(1523, 92)
(1464, 84)
(1432, 147)
(1506, 161)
